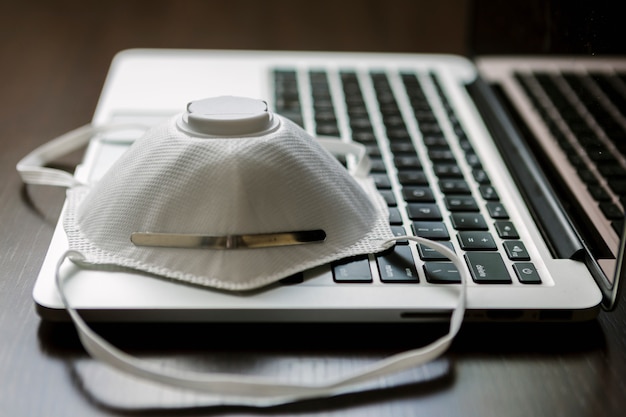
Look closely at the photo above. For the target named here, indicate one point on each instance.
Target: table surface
(55, 56)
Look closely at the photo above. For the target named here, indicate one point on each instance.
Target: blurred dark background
(86, 34)
(55, 54)
(580, 27)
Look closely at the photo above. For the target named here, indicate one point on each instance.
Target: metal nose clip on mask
(230, 196)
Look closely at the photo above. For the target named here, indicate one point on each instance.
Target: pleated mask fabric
(172, 182)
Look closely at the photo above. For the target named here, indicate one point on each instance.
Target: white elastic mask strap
(32, 167)
(262, 391)
(335, 146)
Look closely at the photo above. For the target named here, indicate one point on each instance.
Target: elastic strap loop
(262, 391)
(339, 148)
(32, 168)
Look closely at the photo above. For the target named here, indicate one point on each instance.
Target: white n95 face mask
(230, 196)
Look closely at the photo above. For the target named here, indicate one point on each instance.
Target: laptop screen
(582, 28)
(586, 27)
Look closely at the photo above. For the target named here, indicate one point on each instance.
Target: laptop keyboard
(586, 114)
(432, 191)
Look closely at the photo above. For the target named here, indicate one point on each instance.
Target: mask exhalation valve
(227, 116)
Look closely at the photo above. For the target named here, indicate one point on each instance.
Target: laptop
(472, 153)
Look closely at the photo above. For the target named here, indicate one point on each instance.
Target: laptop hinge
(536, 191)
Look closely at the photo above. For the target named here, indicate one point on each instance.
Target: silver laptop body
(442, 148)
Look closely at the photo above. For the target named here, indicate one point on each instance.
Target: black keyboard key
(473, 160)
(441, 273)
(325, 116)
(516, 250)
(361, 124)
(378, 165)
(618, 186)
(418, 194)
(454, 186)
(327, 130)
(428, 254)
(287, 99)
(587, 176)
(389, 197)
(352, 270)
(598, 193)
(480, 176)
(364, 137)
(612, 171)
(424, 114)
(496, 210)
(526, 273)
(461, 203)
(402, 147)
(382, 181)
(396, 134)
(397, 265)
(611, 211)
(506, 230)
(435, 141)
(441, 155)
(393, 122)
(431, 230)
(399, 231)
(373, 151)
(395, 218)
(487, 268)
(429, 128)
(448, 171)
(423, 211)
(412, 177)
(476, 240)
(407, 162)
(489, 193)
(466, 145)
(468, 221)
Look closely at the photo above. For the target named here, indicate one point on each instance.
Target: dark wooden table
(55, 56)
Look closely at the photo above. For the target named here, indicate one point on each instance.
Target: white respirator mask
(231, 197)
